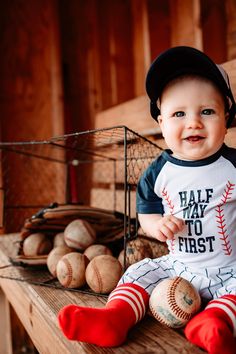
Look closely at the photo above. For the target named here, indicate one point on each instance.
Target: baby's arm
(161, 227)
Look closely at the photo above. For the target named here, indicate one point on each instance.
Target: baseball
(159, 249)
(54, 256)
(37, 244)
(79, 234)
(136, 250)
(103, 273)
(70, 270)
(96, 250)
(174, 301)
(59, 240)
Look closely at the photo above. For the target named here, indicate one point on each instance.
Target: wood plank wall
(31, 104)
(65, 61)
(30, 70)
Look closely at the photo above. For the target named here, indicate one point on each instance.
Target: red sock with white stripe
(106, 327)
(214, 328)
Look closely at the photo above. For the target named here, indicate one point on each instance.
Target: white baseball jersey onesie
(203, 194)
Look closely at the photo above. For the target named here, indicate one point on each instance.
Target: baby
(187, 198)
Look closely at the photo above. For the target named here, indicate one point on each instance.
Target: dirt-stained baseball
(59, 240)
(79, 234)
(97, 250)
(71, 270)
(103, 273)
(54, 256)
(136, 250)
(37, 244)
(174, 301)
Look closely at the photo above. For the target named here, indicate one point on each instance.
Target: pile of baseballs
(75, 259)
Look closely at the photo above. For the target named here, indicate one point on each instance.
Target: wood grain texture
(31, 99)
(37, 308)
(186, 23)
(5, 328)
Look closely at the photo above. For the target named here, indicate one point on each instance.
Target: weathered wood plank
(37, 308)
(231, 28)
(134, 114)
(141, 44)
(186, 23)
(214, 29)
(5, 328)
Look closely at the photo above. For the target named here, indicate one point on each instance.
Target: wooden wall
(65, 61)
(31, 104)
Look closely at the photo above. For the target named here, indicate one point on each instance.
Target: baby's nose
(194, 121)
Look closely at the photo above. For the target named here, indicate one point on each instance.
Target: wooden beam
(134, 114)
(214, 28)
(231, 28)
(186, 23)
(159, 26)
(141, 44)
(30, 71)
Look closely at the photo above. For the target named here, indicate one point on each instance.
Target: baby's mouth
(194, 138)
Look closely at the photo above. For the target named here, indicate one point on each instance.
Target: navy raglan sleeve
(230, 154)
(147, 202)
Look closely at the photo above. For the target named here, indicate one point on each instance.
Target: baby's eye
(179, 114)
(207, 111)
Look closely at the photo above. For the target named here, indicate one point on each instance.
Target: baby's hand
(166, 227)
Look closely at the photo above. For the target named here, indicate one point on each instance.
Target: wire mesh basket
(99, 168)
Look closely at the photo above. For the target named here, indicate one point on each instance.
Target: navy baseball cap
(183, 60)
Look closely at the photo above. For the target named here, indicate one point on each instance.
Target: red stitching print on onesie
(220, 219)
(171, 206)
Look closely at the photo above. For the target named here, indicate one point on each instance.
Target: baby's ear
(159, 119)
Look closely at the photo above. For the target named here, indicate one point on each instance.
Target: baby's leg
(106, 327)
(127, 304)
(214, 328)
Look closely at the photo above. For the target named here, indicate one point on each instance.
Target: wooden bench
(37, 308)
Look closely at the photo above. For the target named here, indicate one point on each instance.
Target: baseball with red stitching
(70, 270)
(136, 250)
(37, 244)
(79, 234)
(59, 240)
(174, 301)
(103, 273)
(54, 256)
(97, 250)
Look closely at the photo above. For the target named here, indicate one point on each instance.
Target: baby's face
(193, 118)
